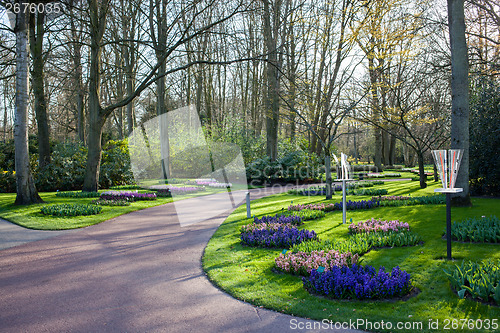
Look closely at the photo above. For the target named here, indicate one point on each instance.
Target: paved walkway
(139, 272)
(13, 235)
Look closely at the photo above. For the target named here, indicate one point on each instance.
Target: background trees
(273, 76)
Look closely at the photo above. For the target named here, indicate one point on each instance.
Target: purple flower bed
(351, 205)
(355, 205)
(291, 219)
(378, 226)
(130, 196)
(302, 263)
(185, 190)
(358, 282)
(390, 198)
(168, 191)
(299, 207)
(204, 183)
(274, 235)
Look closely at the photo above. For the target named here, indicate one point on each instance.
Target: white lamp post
(448, 163)
(344, 177)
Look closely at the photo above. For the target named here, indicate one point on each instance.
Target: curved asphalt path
(139, 272)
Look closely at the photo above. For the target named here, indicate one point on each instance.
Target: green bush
(295, 166)
(115, 165)
(478, 280)
(77, 194)
(478, 230)
(66, 170)
(67, 210)
(7, 181)
(484, 137)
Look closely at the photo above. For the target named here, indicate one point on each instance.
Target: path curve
(139, 272)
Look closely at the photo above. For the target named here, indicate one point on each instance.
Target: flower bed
(317, 190)
(352, 245)
(480, 281)
(220, 185)
(299, 207)
(302, 263)
(103, 202)
(306, 214)
(185, 190)
(351, 205)
(358, 282)
(391, 197)
(396, 201)
(368, 191)
(290, 219)
(378, 225)
(130, 196)
(274, 235)
(313, 190)
(479, 230)
(355, 205)
(67, 210)
(396, 175)
(77, 194)
(362, 243)
(376, 175)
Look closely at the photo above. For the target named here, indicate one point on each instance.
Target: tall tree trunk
(375, 114)
(272, 92)
(36, 40)
(386, 148)
(96, 116)
(460, 95)
(392, 151)
(78, 80)
(5, 94)
(421, 170)
(25, 185)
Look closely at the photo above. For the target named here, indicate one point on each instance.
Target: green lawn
(30, 216)
(247, 273)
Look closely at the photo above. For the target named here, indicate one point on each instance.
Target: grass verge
(30, 216)
(248, 273)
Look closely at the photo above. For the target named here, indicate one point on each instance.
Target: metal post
(248, 205)
(448, 225)
(344, 206)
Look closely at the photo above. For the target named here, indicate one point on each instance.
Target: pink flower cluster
(391, 198)
(265, 226)
(378, 225)
(300, 207)
(302, 263)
